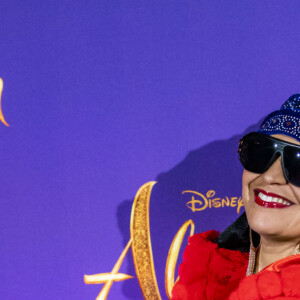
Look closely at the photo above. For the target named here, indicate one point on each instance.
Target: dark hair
(236, 236)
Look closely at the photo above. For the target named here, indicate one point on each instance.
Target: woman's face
(279, 223)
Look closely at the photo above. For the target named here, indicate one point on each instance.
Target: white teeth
(262, 196)
(272, 199)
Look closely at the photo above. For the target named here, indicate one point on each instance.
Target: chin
(267, 231)
(265, 225)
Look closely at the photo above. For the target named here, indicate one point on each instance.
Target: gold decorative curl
(173, 256)
(1, 114)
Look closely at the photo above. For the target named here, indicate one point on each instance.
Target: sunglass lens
(256, 152)
(291, 160)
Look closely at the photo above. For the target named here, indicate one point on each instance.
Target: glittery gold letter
(141, 243)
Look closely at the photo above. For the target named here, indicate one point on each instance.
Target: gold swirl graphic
(141, 243)
(173, 256)
(1, 114)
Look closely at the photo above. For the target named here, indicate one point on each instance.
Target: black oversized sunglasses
(257, 152)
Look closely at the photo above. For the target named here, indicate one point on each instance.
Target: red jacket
(212, 273)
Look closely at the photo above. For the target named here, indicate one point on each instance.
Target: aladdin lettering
(140, 244)
(203, 202)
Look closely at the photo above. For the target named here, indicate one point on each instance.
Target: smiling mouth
(271, 200)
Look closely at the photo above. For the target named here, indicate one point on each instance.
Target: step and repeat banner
(119, 128)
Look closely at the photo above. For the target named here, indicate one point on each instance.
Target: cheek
(296, 192)
(247, 179)
(248, 183)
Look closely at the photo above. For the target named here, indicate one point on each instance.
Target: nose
(274, 175)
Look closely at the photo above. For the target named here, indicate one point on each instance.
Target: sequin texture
(284, 121)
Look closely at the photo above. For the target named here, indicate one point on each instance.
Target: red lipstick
(271, 200)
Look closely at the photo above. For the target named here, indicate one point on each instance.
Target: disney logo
(208, 201)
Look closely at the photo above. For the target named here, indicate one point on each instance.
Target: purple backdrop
(103, 96)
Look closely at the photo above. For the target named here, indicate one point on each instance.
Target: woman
(261, 261)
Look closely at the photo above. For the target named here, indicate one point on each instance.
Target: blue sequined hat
(284, 121)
